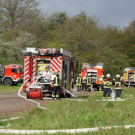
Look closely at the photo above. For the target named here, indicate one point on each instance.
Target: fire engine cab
(11, 74)
(39, 66)
(96, 72)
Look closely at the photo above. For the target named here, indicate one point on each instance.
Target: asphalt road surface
(11, 103)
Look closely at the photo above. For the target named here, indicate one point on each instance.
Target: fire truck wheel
(8, 82)
(41, 95)
(27, 95)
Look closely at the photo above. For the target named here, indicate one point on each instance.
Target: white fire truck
(39, 66)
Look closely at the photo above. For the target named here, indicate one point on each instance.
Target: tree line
(23, 25)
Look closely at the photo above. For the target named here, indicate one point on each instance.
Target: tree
(18, 44)
(16, 12)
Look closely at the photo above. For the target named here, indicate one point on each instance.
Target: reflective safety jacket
(84, 79)
(107, 83)
(79, 81)
(118, 84)
(101, 80)
(56, 81)
(88, 80)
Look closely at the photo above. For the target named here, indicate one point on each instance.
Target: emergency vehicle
(39, 66)
(129, 76)
(11, 74)
(96, 72)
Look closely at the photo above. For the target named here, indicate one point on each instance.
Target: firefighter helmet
(102, 76)
(117, 76)
(108, 75)
(85, 74)
(79, 74)
(56, 71)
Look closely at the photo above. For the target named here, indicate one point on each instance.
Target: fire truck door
(65, 73)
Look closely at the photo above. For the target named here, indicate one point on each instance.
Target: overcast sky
(116, 12)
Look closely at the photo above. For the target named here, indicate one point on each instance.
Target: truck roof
(88, 65)
(13, 66)
(46, 51)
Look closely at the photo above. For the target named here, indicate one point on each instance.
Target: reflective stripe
(107, 84)
(118, 85)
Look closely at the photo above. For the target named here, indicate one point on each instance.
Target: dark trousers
(88, 87)
(85, 86)
(118, 92)
(78, 88)
(106, 90)
(55, 92)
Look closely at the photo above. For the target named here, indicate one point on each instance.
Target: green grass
(8, 89)
(66, 114)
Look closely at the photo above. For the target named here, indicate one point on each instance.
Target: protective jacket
(56, 81)
(107, 83)
(118, 84)
(84, 79)
(101, 80)
(88, 80)
(79, 81)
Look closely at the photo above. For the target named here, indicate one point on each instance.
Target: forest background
(23, 25)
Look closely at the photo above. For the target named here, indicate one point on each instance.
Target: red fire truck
(96, 72)
(39, 66)
(11, 74)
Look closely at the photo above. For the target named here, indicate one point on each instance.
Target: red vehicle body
(11, 74)
(41, 63)
(96, 72)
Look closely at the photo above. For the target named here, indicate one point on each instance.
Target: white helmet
(89, 74)
(117, 76)
(108, 75)
(79, 74)
(102, 76)
(85, 74)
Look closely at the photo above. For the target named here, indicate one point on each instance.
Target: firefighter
(107, 82)
(84, 82)
(88, 82)
(78, 82)
(101, 80)
(118, 86)
(56, 82)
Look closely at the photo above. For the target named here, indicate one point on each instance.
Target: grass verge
(8, 89)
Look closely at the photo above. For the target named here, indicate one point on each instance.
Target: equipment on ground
(96, 71)
(11, 74)
(40, 65)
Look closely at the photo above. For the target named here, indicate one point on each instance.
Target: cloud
(116, 12)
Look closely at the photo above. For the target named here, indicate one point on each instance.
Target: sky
(114, 12)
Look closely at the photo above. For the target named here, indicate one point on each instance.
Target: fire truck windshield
(20, 70)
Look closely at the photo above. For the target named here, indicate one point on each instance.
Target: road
(11, 103)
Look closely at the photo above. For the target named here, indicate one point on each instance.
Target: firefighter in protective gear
(88, 81)
(78, 82)
(101, 80)
(107, 82)
(56, 83)
(84, 82)
(118, 87)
